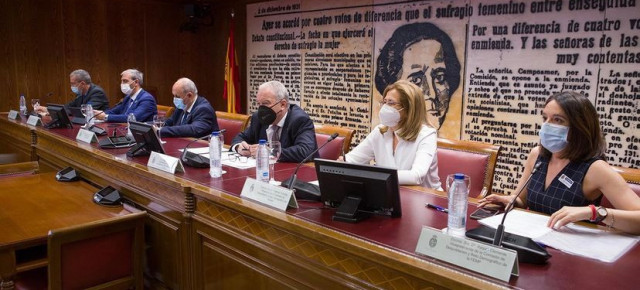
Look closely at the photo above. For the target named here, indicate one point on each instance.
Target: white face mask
(389, 116)
(126, 89)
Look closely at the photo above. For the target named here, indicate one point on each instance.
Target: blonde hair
(412, 101)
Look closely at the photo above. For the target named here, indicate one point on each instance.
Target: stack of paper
(574, 239)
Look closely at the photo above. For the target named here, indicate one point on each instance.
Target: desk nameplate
(269, 194)
(86, 136)
(165, 163)
(496, 262)
(13, 114)
(34, 121)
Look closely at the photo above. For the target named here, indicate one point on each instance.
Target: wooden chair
(337, 147)
(233, 123)
(475, 159)
(631, 176)
(104, 255)
(165, 111)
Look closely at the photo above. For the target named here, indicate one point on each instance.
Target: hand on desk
(495, 199)
(568, 214)
(245, 149)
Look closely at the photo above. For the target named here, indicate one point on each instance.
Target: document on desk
(574, 239)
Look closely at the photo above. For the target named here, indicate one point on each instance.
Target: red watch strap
(593, 212)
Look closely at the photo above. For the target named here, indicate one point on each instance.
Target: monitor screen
(358, 190)
(59, 118)
(146, 140)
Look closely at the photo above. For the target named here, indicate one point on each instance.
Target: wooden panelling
(45, 40)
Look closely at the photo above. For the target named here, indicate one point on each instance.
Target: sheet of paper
(592, 243)
(574, 239)
(521, 223)
(204, 151)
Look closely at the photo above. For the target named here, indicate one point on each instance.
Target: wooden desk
(32, 205)
(202, 235)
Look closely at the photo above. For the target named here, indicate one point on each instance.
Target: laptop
(78, 117)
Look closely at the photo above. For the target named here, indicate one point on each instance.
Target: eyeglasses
(235, 157)
(384, 102)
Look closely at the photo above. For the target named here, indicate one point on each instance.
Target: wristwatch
(601, 214)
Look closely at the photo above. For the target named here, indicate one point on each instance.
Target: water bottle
(215, 155)
(457, 217)
(262, 162)
(131, 117)
(23, 105)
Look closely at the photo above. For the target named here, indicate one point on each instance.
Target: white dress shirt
(416, 161)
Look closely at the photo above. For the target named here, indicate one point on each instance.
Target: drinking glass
(158, 121)
(36, 104)
(86, 109)
(274, 154)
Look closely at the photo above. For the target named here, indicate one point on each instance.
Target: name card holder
(86, 136)
(165, 163)
(496, 262)
(13, 114)
(269, 194)
(34, 121)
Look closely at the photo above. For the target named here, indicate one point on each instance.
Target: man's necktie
(274, 135)
(184, 118)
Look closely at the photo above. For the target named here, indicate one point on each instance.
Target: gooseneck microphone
(194, 159)
(528, 250)
(497, 239)
(306, 190)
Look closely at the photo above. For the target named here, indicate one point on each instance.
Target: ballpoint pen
(438, 208)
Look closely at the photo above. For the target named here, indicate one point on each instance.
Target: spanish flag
(231, 74)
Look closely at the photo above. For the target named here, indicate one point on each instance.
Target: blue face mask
(178, 103)
(554, 137)
(75, 90)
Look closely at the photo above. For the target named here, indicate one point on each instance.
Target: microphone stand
(313, 194)
(497, 239)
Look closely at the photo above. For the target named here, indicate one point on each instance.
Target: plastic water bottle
(457, 217)
(262, 162)
(215, 155)
(131, 117)
(23, 105)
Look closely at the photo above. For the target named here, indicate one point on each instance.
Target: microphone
(96, 129)
(528, 250)
(305, 190)
(193, 159)
(497, 239)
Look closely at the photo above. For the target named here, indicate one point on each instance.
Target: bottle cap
(215, 133)
(262, 141)
(459, 176)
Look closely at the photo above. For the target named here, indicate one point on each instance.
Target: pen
(438, 208)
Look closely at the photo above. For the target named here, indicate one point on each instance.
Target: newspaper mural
(486, 67)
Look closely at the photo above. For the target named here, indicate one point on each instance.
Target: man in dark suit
(137, 101)
(276, 119)
(194, 116)
(86, 92)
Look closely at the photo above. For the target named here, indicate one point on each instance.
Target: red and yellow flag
(231, 74)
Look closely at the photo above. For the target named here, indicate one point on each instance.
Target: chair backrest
(475, 159)
(631, 176)
(107, 253)
(335, 148)
(165, 111)
(233, 123)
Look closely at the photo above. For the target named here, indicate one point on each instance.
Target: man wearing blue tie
(194, 116)
(137, 101)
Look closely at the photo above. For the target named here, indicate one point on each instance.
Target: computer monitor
(146, 139)
(59, 118)
(358, 190)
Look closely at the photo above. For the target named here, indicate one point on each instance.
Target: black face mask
(266, 116)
